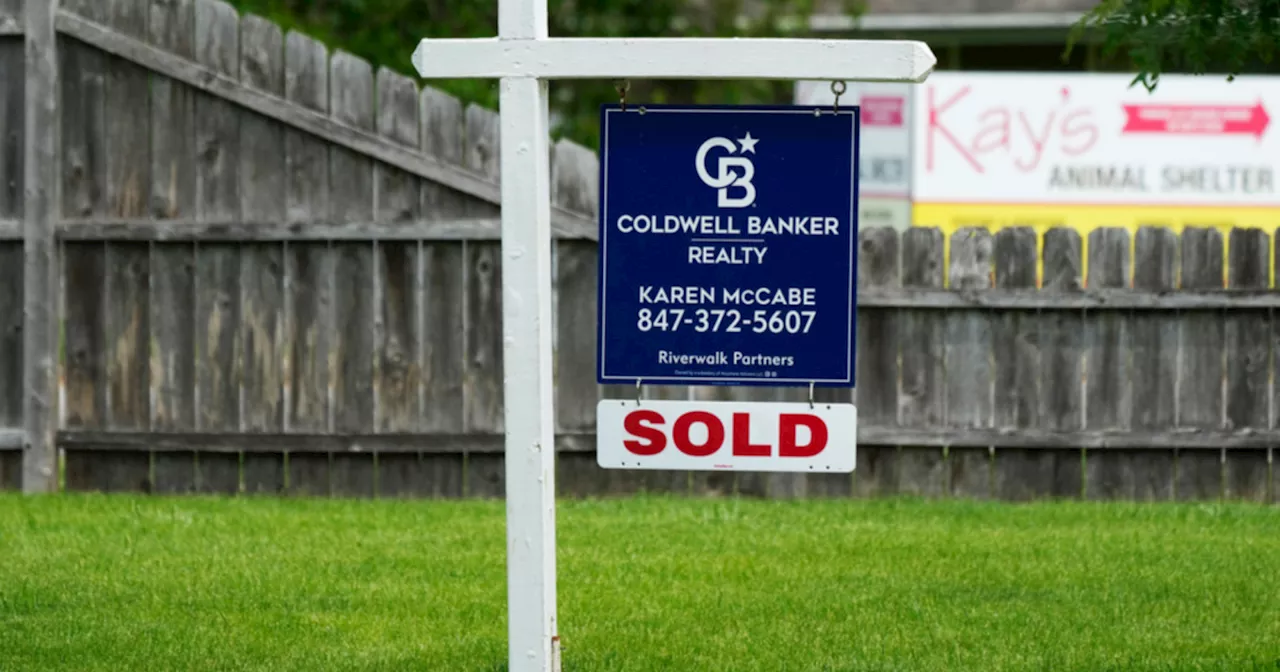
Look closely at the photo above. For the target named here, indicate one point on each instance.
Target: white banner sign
(1062, 138)
(884, 182)
(726, 436)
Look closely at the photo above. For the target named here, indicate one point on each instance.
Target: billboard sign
(1091, 139)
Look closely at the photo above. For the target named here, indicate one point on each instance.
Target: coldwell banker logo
(728, 177)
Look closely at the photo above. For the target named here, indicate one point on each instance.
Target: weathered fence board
(481, 288)
(1247, 333)
(10, 470)
(127, 107)
(108, 470)
(877, 370)
(574, 185)
(1107, 393)
(127, 306)
(85, 373)
(217, 120)
(968, 363)
(1154, 352)
(309, 267)
(12, 120)
(218, 317)
(1019, 474)
(351, 197)
(85, 405)
(11, 15)
(307, 158)
(1062, 357)
(83, 156)
(445, 319)
(919, 470)
(262, 172)
(173, 160)
(1201, 375)
(399, 329)
(11, 286)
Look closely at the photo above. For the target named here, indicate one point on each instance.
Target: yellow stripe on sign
(950, 217)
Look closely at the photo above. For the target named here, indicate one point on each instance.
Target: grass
(128, 583)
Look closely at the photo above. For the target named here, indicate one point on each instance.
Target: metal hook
(622, 86)
(838, 88)
(810, 394)
(637, 391)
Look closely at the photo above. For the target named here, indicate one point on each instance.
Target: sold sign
(726, 436)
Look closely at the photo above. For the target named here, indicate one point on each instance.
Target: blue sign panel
(728, 245)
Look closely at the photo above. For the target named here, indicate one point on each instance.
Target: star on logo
(748, 143)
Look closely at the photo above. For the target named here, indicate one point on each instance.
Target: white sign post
(523, 57)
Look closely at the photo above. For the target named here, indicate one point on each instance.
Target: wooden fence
(249, 265)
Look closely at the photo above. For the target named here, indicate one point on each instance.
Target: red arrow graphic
(1197, 119)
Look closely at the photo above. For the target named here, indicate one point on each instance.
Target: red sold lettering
(653, 440)
(650, 439)
(787, 425)
(742, 438)
(715, 434)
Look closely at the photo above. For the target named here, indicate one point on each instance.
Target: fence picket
(1201, 374)
(173, 195)
(309, 268)
(351, 190)
(483, 389)
(444, 138)
(884, 262)
(11, 285)
(1247, 334)
(171, 26)
(128, 334)
(574, 184)
(1107, 395)
(443, 293)
(919, 470)
(262, 265)
(85, 324)
(485, 473)
(398, 337)
(1020, 474)
(969, 363)
(218, 315)
(1062, 361)
(86, 387)
(12, 120)
(1154, 350)
(12, 196)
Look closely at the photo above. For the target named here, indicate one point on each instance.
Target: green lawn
(120, 583)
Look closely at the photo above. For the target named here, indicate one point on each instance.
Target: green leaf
(1229, 37)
